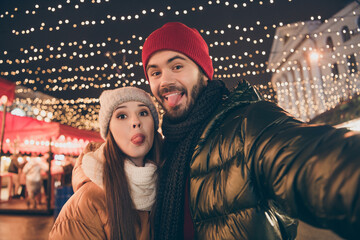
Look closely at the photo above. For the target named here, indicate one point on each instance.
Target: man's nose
(166, 79)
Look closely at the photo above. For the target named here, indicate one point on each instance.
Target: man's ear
(206, 79)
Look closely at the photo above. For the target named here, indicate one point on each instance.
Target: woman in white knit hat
(115, 186)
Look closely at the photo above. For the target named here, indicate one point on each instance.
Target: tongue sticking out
(139, 139)
(173, 99)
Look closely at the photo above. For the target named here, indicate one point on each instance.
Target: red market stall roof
(27, 135)
(7, 88)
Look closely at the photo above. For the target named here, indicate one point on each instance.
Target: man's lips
(138, 139)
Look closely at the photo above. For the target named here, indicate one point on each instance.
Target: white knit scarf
(142, 180)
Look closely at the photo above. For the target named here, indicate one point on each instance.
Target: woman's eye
(144, 113)
(121, 116)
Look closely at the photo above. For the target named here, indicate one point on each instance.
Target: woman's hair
(123, 218)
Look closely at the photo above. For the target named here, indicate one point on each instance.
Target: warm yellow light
(314, 56)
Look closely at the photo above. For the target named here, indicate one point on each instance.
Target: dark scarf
(180, 141)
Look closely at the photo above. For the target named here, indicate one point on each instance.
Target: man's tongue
(173, 99)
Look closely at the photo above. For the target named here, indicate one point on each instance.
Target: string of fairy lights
(127, 50)
(131, 65)
(161, 13)
(83, 113)
(73, 65)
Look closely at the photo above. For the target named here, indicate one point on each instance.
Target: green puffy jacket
(255, 165)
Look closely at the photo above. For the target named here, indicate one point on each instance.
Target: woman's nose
(136, 122)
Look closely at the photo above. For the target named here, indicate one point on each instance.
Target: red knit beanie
(178, 37)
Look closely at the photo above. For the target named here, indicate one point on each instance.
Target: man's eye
(154, 74)
(177, 67)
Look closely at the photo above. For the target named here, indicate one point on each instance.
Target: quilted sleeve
(311, 171)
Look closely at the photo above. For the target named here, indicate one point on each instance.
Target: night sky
(88, 76)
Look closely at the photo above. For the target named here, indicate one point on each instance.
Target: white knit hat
(110, 99)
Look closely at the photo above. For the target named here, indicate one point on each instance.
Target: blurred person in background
(15, 168)
(32, 171)
(68, 168)
(44, 173)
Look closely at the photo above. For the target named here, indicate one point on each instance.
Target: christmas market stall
(52, 142)
(28, 135)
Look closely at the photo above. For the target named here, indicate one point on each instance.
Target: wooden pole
(3, 130)
(49, 184)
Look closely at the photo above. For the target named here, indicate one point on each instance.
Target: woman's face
(132, 126)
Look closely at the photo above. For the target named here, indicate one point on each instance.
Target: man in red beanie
(238, 167)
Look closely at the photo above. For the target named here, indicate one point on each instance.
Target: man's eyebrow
(150, 66)
(175, 57)
(168, 61)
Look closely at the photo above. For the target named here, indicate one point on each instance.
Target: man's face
(175, 80)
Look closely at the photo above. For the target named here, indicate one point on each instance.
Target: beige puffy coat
(84, 216)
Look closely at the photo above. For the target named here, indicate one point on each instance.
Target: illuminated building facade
(315, 64)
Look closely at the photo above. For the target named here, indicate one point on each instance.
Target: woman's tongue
(173, 99)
